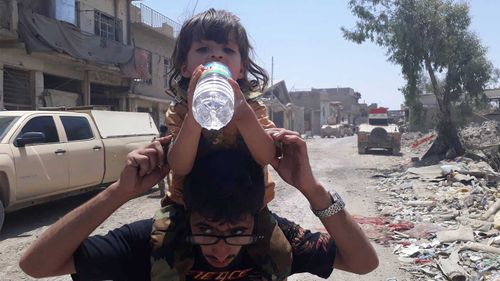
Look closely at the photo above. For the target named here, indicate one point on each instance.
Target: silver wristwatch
(336, 206)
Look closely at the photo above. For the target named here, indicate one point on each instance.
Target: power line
(194, 9)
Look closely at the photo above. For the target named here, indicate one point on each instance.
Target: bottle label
(216, 68)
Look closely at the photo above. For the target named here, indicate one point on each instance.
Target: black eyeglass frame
(255, 238)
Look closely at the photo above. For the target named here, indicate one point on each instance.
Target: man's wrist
(117, 195)
(337, 205)
(317, 195)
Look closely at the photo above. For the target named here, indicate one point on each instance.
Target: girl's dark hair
(225, 185)
(216, 25)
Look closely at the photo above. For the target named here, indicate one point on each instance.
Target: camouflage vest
(170, 227)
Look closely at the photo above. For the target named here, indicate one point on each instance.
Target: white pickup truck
(46, 155)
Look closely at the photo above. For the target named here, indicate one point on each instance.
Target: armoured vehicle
(338, 130)
(378, 133)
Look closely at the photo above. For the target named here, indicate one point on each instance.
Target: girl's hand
(242, 109)
(192, 84)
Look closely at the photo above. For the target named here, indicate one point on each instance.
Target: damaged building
(112, 54)
(428, 119)
(281, 110)
(322, 105)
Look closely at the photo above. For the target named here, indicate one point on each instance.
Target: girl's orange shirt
(226, 138)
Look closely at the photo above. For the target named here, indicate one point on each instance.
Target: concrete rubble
(443, 221)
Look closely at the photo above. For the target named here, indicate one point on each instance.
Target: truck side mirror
(29, 137)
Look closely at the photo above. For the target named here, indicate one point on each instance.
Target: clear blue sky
(305, 40)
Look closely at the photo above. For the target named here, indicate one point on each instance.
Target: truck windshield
(5, 123)
(378, 122)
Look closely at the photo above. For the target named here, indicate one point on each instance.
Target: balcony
(148, 17)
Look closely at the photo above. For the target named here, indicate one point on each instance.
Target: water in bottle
(213, 99)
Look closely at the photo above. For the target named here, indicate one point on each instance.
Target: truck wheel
(2, 214)
(396, 151)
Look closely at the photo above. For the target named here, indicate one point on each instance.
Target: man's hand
(293, 167)
(145, 167)
(52, 254)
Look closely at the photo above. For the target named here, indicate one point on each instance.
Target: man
(219, 238)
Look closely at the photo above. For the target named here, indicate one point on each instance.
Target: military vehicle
(378, 133)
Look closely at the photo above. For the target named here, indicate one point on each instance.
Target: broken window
(149, 68)
(106, 95)
(62, 83)
(107, 27)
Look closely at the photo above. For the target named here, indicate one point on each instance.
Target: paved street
(338, 166)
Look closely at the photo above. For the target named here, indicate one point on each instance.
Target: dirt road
(335, 162)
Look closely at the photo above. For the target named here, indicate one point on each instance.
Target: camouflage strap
(274, 252)
(167, 237)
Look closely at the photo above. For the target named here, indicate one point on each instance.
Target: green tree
(431, 37)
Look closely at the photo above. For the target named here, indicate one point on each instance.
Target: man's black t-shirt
(124, 254)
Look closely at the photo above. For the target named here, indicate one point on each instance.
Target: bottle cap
(217, 67)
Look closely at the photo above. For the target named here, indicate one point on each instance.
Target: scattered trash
(474, 246)
(425, 139)
(492, 210)
(451, 269)
(443, 221)
(496, 221)
(463, 233)
(428, 172)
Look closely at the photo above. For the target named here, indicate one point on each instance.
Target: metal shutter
(17, 94)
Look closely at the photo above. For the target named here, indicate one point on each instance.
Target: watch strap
(336, 206)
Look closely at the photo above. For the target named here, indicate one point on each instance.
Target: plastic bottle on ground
(213, 99)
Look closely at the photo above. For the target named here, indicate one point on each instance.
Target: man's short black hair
(225, 185)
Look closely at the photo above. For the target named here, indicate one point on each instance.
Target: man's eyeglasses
(234, 240)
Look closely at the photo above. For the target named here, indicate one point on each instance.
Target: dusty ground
(335, 162)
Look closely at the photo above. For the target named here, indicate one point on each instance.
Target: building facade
(76, 53)
(154, 36)
(323, 106)
(281, 110)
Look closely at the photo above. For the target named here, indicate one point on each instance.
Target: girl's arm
(183, 149)
(259, 143)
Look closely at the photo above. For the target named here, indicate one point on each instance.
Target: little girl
(217, 35)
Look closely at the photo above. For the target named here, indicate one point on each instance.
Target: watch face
(336, 197)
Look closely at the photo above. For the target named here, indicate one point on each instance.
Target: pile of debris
(415, 144)
(486, 134)
(483, 142)
(442, 220)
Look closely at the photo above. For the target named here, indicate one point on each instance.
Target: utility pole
(272, 70)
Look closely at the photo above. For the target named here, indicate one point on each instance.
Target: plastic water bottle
(213, 99)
